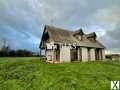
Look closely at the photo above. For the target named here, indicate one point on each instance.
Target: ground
(34, 74)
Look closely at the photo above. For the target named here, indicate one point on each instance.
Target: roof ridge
(58, 28)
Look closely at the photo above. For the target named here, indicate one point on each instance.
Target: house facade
(61, 45)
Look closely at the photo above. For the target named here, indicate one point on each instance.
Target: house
(62, 45)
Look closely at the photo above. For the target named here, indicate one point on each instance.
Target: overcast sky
(22, 21)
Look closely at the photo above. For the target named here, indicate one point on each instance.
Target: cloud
(22, 21)
(57, 11)
(108, 19)
(18, 25)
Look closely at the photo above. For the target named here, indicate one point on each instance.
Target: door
(74, 56)
(57, 55)
(89, 56)
(97, 54)
(58, 52)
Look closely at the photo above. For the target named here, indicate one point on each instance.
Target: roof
(78, 32)
(93, 34)
(59, 35)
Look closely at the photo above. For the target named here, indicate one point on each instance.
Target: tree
(12, 53)
(5, 48)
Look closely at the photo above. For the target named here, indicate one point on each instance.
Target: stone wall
(103, 54)
(92, 54)
(65, 54)
(84, 54)
(79, 54)
(50, 55)
(100, 54)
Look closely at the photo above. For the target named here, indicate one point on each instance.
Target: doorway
(89, 56)
(97, 57)
(57, 52)
(73, 55)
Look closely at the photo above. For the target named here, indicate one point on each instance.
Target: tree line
(6, 51)
(17, 53)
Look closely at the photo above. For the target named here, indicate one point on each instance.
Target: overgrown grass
(34, 74)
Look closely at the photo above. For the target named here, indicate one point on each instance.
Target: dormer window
(78, 34)
(92, 36)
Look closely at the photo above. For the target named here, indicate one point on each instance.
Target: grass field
(34, 74)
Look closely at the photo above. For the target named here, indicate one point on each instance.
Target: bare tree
(5, 46)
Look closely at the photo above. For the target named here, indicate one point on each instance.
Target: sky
(22, 21)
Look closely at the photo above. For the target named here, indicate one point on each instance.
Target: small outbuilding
(113, 57)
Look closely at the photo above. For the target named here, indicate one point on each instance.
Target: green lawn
(34, 74)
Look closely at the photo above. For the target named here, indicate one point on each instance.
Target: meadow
(32, 73)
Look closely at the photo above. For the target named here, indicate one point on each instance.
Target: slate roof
(65, 36)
